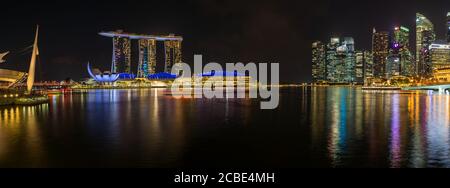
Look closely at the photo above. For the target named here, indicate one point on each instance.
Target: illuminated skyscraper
(440, 58)
(425, 63)
(424, 37)
(440, 55)
(332, 60)
(359, 67)
(121, 62)
(349, 43)
(173, 54)
(393, 67)
(349, 59)
(121, 55)
(401, 36)
(341, 61)
(380, 49)
(147, 57)
(368, 64)
(448, 27)
(400, 52)
(318, 61)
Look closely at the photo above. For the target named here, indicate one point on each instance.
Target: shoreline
(24, 100)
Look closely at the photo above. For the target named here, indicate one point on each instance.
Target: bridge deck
(429, 87)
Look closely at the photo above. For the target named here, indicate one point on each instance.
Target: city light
(218, 92)
(391, 58)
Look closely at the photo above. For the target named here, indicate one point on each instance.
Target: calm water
(313, 127)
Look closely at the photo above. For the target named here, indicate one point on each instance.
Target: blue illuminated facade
(162, 76)
(108, 77)
(126, 76)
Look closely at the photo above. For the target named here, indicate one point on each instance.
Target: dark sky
(223, 31)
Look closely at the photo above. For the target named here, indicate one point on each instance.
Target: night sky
(223, 31)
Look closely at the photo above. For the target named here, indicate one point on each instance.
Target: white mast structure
(2, 56)
(32, 69)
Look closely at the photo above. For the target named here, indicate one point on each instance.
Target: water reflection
(338, 125)
(21, 135)
(437, 131)
(318, 126)
(394, 129)
(395, 132)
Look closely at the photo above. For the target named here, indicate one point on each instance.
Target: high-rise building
(425, 36)
(147, 57)
(440, 55)
(173, 54)
(359, 67)
(121, 61)
(400, 52)
(332, 60)
(425, 63)
(380, 49)
(401, 36)
(350, 44)
(121, 55)
(341, 60)
(448, 27)
(393, 65)
(350, 60)
(368, 64)
(440, 58)
(318, 61)
(338, 62)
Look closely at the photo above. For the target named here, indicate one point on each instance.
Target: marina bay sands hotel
(121, 57)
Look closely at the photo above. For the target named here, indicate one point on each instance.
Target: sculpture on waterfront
(32, 69)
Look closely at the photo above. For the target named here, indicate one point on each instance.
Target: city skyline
(252, 89)
(240, 36)
(392, 62)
